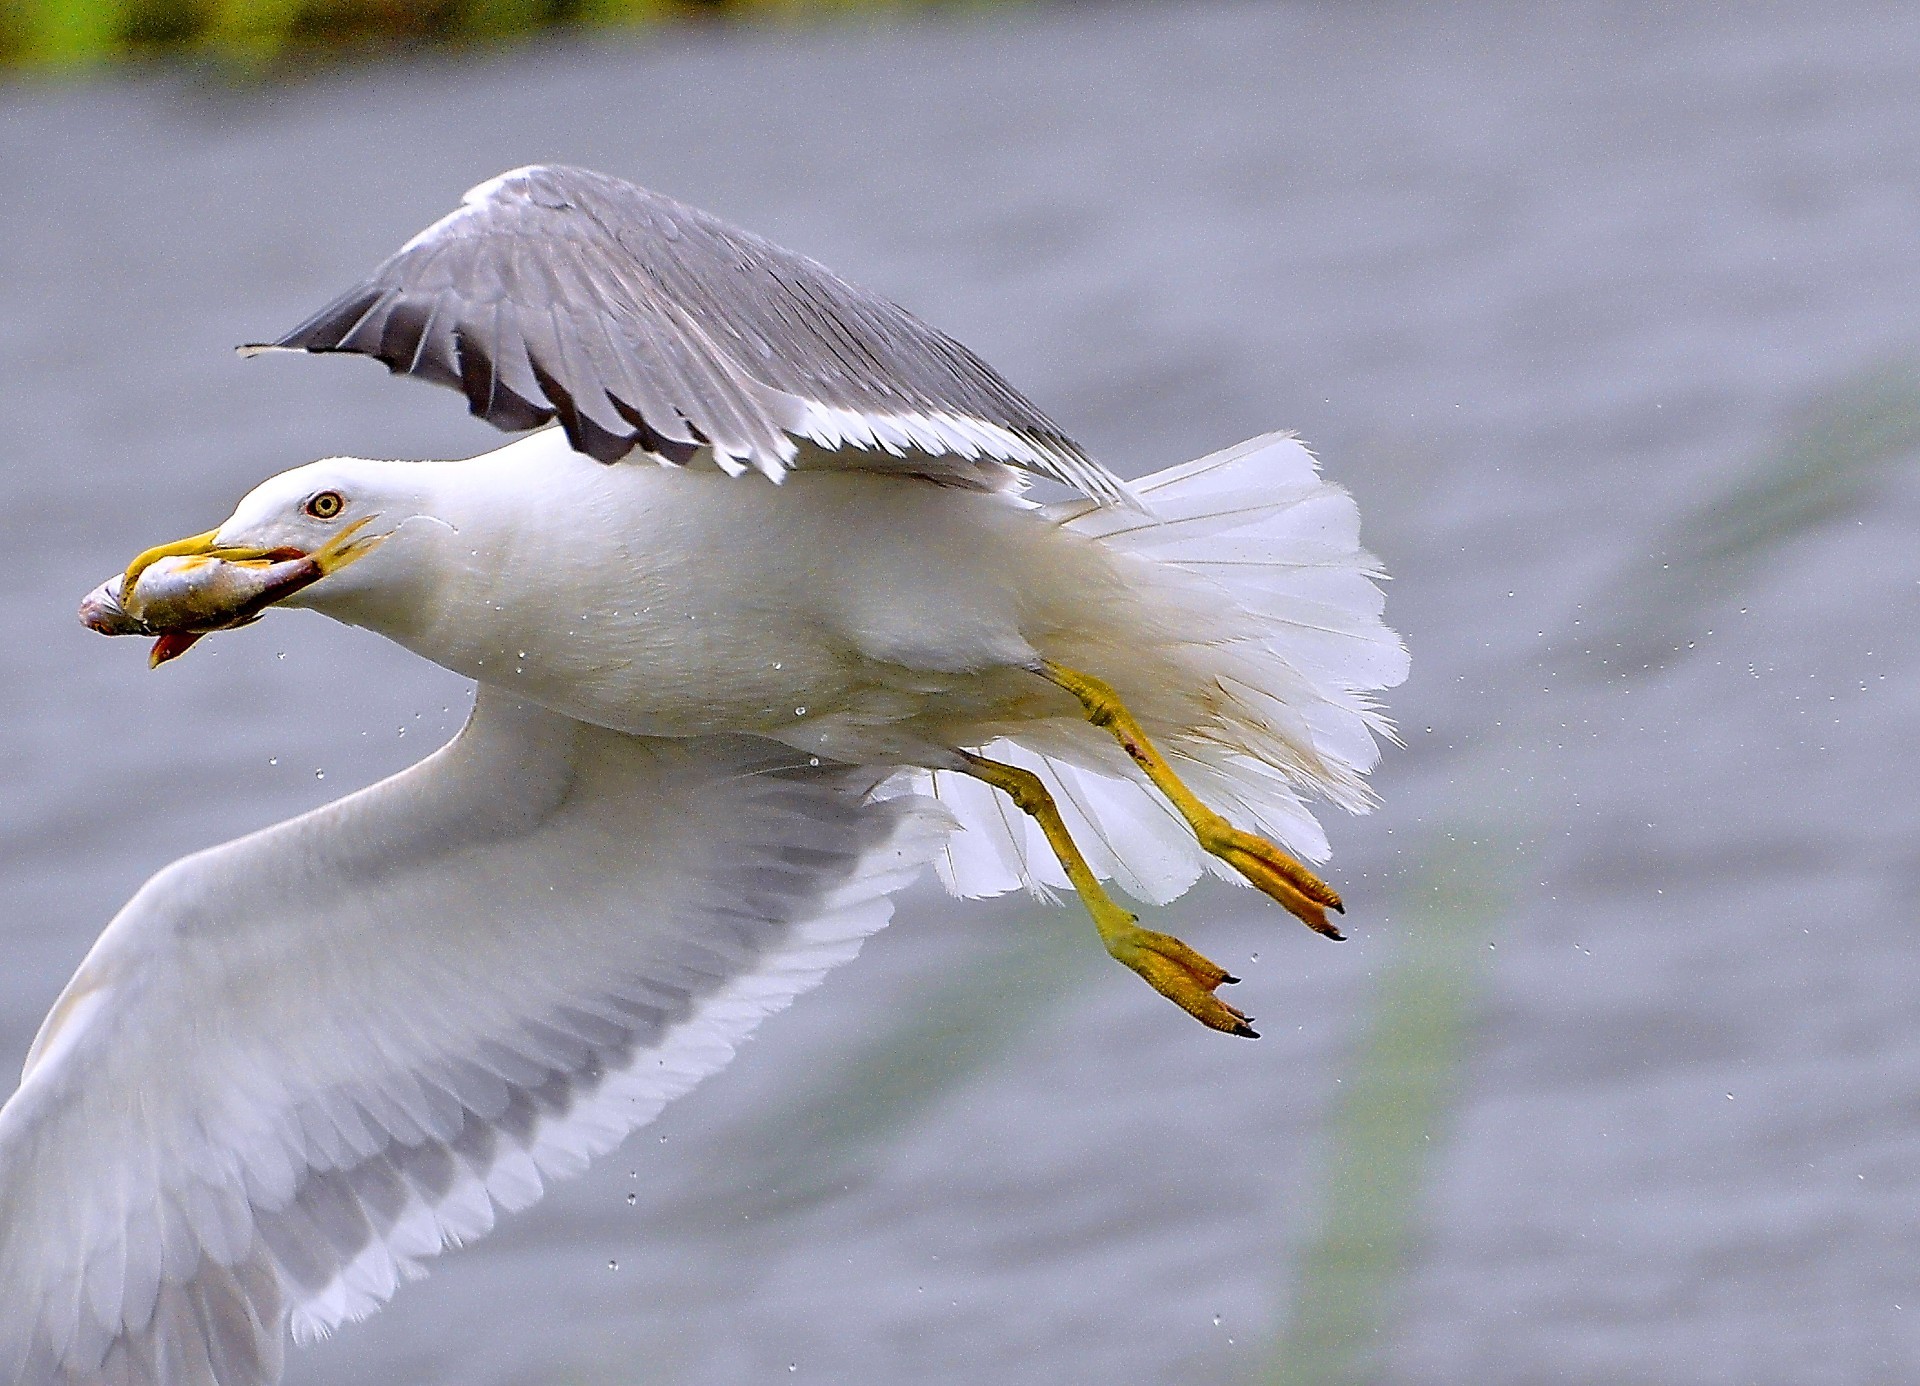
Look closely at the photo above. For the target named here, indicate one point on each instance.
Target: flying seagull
(763, 625)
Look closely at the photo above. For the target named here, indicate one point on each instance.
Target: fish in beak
(192, 587)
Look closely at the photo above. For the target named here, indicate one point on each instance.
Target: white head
(358, 539)
(341, 512)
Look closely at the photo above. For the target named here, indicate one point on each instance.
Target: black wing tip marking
(587, 436)
(429, 340)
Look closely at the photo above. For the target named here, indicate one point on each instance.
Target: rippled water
(1611, 322)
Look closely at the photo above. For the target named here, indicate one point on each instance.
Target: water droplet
(273, 760)
(281, 655)
(632, 1199)
(799, 712)
(1216, 1320)
(613, 1265)
(813, 760)
(319, 774)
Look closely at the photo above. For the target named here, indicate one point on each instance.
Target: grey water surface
(1609, 316)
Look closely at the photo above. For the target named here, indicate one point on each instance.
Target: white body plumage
(874, 619)
(812, 602)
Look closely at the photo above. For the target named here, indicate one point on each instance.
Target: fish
(178, 600)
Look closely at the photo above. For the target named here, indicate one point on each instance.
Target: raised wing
(643, 323)
(296, 1065)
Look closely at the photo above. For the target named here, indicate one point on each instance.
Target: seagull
(761, 622)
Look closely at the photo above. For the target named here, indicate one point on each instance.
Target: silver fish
(100, 610)
(181, 599)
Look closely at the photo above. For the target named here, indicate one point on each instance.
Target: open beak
(182, 591)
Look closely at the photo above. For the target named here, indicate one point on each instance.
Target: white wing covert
(295, 1065)
(640, 322)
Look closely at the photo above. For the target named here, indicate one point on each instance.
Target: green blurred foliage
(1393, 1115)
(66, 35)
(1825, 468)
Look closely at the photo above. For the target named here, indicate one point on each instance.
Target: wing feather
(634, 319)
(296, 1066)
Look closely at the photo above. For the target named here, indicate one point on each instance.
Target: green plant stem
(1385, 1124)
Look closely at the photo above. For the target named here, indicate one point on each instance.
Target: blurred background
(1609, 316)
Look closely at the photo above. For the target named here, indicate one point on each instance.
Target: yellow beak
(335, 554)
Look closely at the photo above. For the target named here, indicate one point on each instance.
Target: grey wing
(640, 322)
(296, 1066)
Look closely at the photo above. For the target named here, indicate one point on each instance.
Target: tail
(1265, 646)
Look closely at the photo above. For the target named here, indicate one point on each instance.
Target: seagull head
(300, 538)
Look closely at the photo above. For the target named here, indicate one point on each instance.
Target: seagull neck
(501, 548)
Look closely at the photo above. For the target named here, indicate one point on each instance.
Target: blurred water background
(1609, 315)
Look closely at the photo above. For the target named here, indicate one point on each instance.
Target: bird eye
(325, 506)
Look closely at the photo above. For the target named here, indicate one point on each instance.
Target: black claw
(1229, 980)
(1336, 936)
(1338, 907)
(1246, 1031)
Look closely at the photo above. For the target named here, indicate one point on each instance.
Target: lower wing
(296, 1065)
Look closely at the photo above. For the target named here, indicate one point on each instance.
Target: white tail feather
(1259, 688)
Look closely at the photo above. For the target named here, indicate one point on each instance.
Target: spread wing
(296, 1065)
(640, 322)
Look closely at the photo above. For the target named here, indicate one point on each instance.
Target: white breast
(681, 602)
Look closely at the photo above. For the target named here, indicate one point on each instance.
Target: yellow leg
(1304, 894)
(1171, 968)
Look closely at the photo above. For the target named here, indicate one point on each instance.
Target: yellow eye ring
(325, 506)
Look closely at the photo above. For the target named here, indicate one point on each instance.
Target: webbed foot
(1180, 974)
